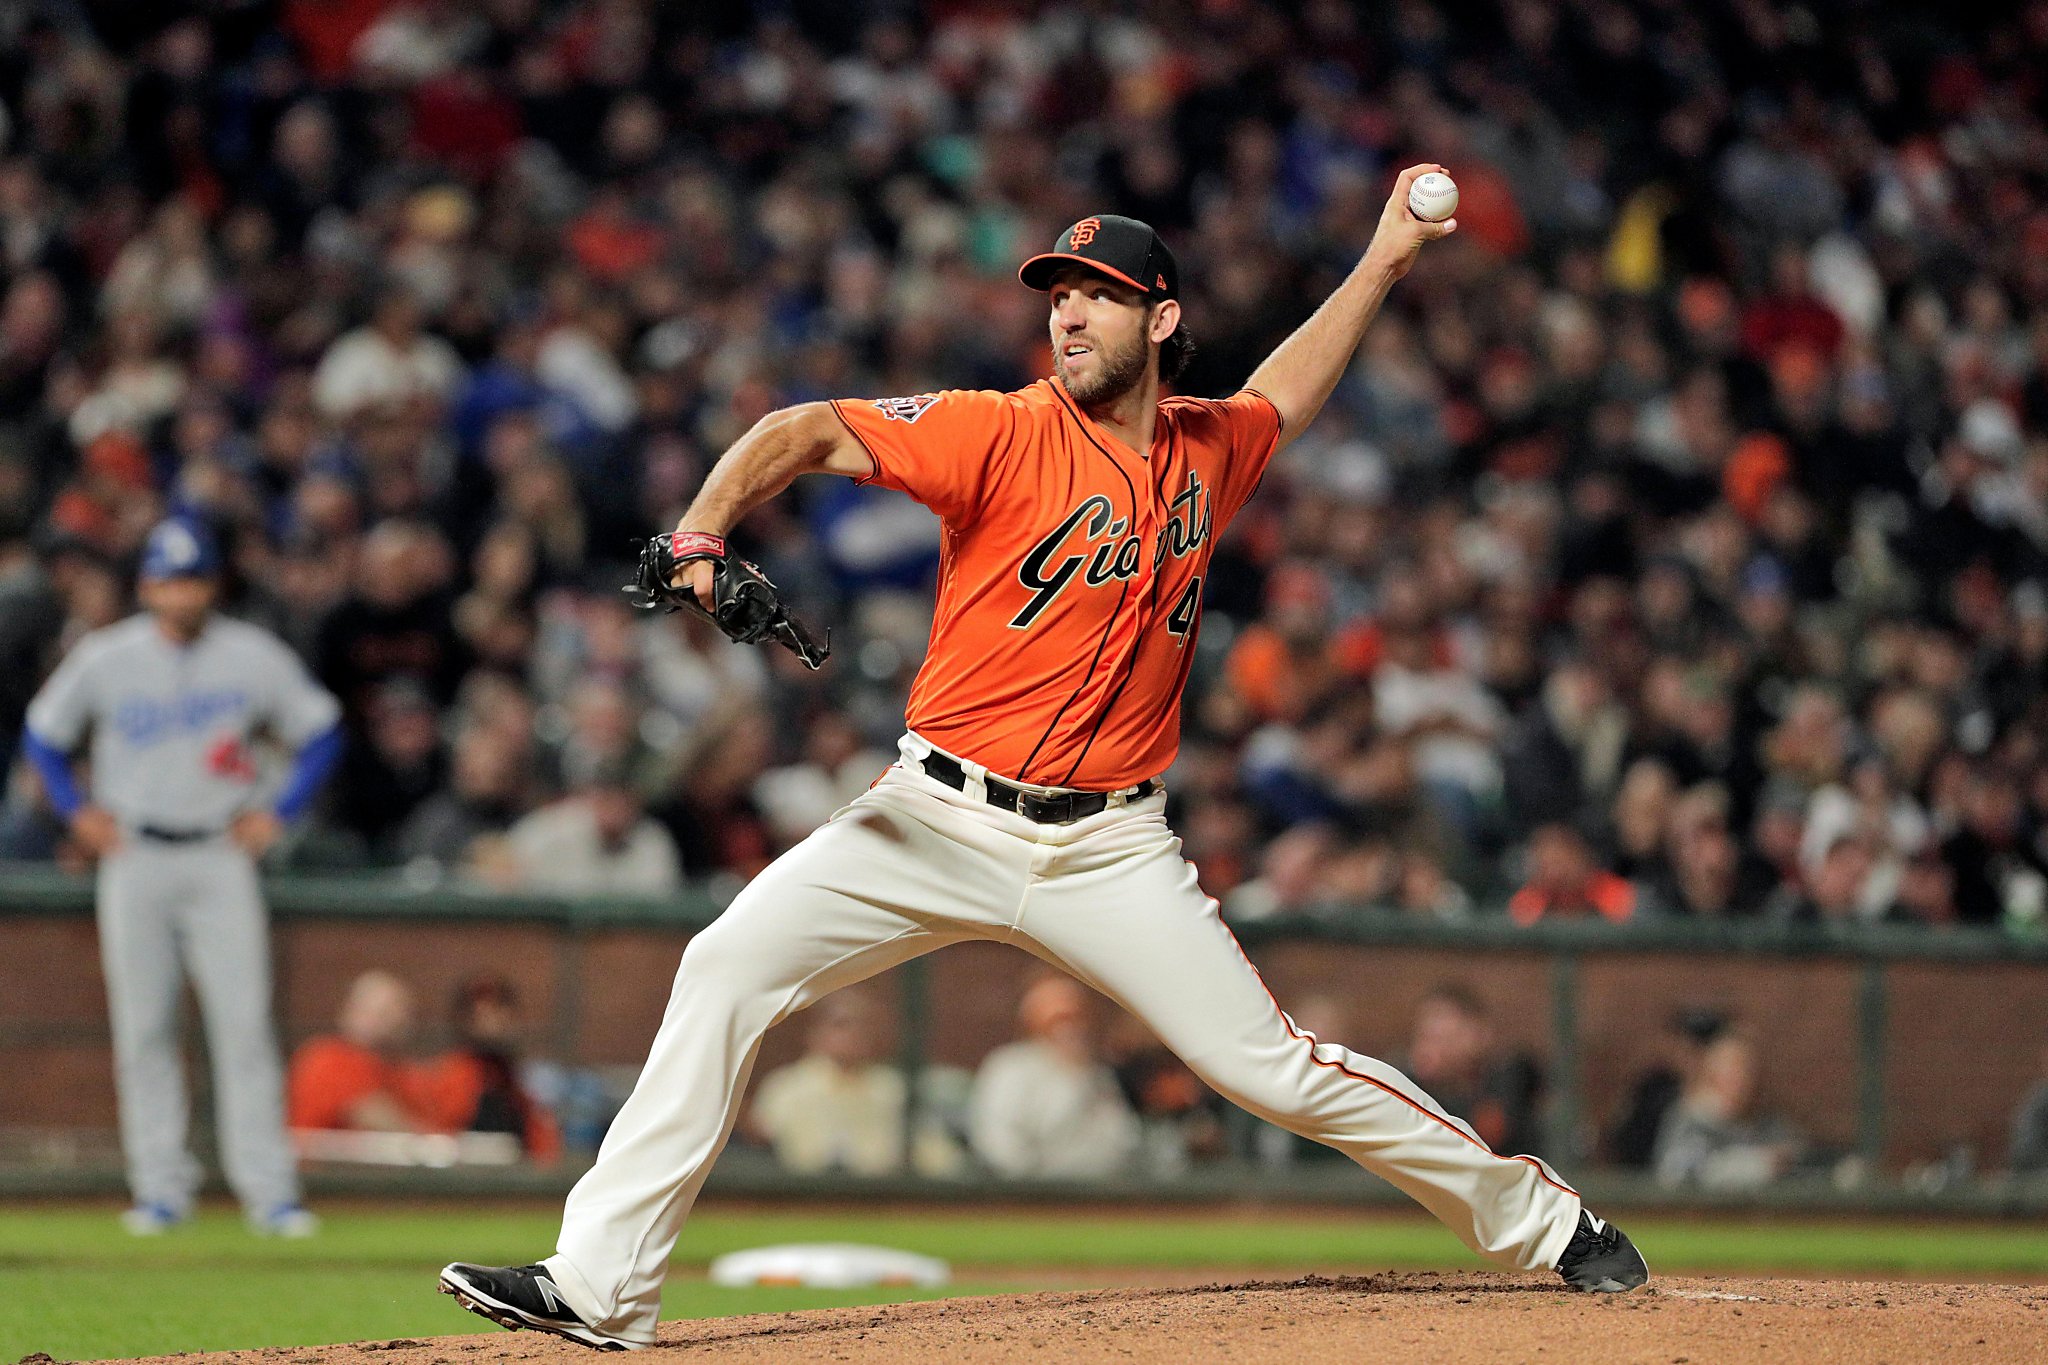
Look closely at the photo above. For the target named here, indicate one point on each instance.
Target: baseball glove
(744, 602)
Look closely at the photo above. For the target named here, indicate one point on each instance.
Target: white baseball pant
(913, 865)
(166, 910)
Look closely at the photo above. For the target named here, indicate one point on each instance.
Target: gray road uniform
(171, 728)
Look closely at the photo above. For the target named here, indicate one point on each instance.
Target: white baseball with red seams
(1433, 197)
(914, 865)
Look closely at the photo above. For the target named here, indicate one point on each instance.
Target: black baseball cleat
(523, 1296)
(1600, 1259)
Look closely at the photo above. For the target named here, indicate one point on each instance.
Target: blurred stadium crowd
(1677, 546)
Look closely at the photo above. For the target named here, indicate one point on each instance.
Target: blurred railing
(1565, 948)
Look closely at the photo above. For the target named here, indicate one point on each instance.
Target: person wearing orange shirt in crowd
(1454, 1051)
(354, 1078)
(1565, 882)
(1283, 663)
(475, 1088)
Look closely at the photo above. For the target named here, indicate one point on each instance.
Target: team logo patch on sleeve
(906, 409)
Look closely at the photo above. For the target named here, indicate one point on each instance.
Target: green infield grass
(80, 1288)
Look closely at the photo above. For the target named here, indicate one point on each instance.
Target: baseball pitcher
(172, 699)
(1080, 514)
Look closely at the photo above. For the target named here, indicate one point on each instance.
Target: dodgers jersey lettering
(1071, 570)
(171, 724)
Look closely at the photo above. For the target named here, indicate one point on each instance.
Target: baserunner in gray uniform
(174, 700)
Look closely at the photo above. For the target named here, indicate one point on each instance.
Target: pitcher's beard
(1118, 373)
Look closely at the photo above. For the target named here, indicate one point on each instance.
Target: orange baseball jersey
(1070, 573)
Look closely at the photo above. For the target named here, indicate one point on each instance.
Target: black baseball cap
(1121, 248)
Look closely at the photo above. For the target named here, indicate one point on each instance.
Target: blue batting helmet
(180, 548)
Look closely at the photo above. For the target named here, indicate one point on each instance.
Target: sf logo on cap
(1084, 232)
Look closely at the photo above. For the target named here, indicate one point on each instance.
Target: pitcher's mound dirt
(1458, 1319)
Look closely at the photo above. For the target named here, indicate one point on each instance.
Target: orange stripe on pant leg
(1375, 1082)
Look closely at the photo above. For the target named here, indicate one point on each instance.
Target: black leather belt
(1062, 809)
(158, 834)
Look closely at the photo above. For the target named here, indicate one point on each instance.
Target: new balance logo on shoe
(525, 1297)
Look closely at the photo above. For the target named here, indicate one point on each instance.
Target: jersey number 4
(1180, 622)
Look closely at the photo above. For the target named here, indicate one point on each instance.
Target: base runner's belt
(1062, 808)
(158, 834)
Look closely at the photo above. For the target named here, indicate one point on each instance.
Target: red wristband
(695, 545)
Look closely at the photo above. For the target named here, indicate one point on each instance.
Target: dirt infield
(1453, 1318)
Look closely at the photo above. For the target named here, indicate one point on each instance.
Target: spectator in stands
(2028, 1154)
(693, 678)
(1716, 1136)
(1641, 816)
(1290, 876)
(1778, 832)
(1222, 836)
(1705, 876)
(491, 787)
(1181, 1119)
(840, 1107)
(395, 624)
(1327, 768)
(1997, 871)
(1453, 1054)
(710, 808)
(836, 767)
(382, 782)
(1281, 666)
(1632, 1142)
(1808, 748)
(476, 1086)
(31, 612)
(1565, 750)
(390, 361)
(495, 618)
(1045, 1106)
(1869, 804)
(600, 728)
(595, 841)
(357, 1077)
(1565, 882)
(1637, 478)
(1927, 892)
(1447, 718)
(1423, 888)
(1833, 892)
(1359, 874)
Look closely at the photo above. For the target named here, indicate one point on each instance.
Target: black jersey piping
(1131, 671)
(1123, 592)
